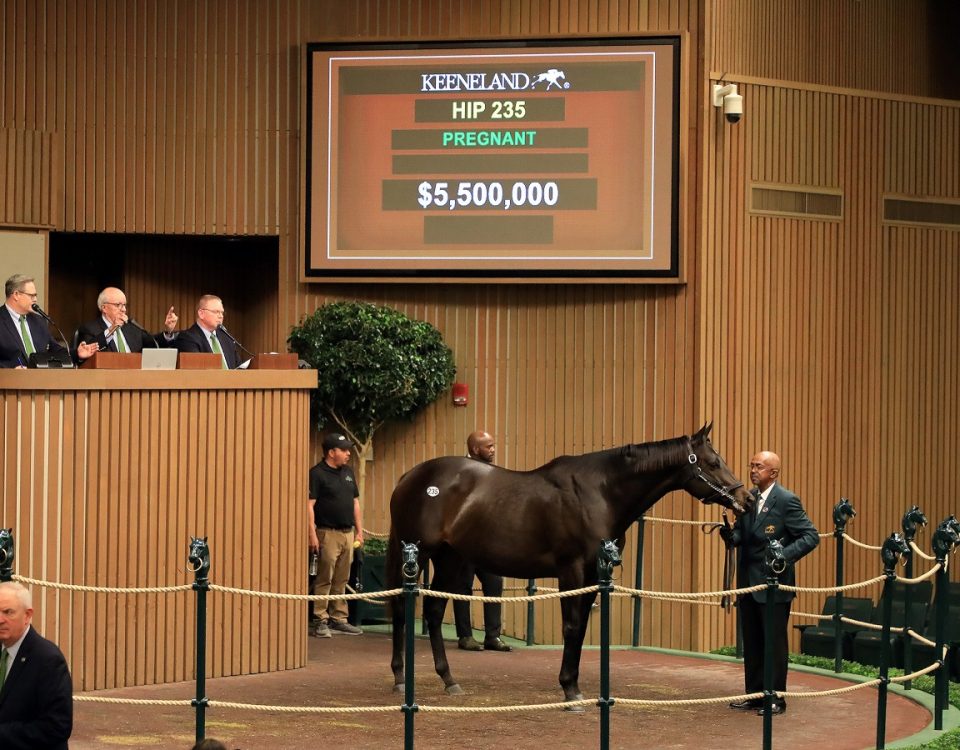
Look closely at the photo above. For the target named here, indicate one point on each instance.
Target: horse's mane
(652, 456)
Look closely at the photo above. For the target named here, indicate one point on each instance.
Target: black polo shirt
(334, 491)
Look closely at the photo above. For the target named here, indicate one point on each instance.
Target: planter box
(369, 572)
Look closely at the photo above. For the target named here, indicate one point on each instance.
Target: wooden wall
(804, 336)
(107, 475)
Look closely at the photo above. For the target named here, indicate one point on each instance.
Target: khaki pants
(333, 572)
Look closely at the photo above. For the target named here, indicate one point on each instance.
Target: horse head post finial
(775, 559)
(607, 559)
(6, 554)
(911, 519)
(409, 552)
(892, 551)
(946, 538)
(199, 558)
(842, 512)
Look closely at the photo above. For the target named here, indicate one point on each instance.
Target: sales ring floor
(354, 671)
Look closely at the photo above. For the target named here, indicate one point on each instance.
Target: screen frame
(672, 46)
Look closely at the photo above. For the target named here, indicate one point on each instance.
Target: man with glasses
(113, 330)
(205, 336)
(777, 514)
(22, 331)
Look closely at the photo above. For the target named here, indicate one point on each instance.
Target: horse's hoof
(398, 688)
(575, 709)
(454, 689)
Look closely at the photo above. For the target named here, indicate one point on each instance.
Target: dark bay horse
(545, 523)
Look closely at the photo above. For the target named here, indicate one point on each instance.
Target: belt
(342, 530)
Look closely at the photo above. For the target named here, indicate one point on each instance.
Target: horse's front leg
(575, 611)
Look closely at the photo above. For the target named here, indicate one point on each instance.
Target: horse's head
(911, 519)
(199, 556)
(842, 512)
(893, 550)
(710, 479)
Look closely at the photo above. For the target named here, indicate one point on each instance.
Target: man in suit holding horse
(481, 447)
(22, 331)
(204, 335)
(36, 692)
(114, 332)
(777, 514)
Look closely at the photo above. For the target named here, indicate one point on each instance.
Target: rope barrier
(103, 589)
(919, 552)
(131, 701)
(681, 522)
(860, 544)
(306, 597)
(832, 589)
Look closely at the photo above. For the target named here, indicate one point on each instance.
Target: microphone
(234, 340)
(135, 324)
(39, 311)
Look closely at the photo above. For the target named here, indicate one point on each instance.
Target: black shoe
(776, 708)
(750, 705)
(495, 644)
(468, 643)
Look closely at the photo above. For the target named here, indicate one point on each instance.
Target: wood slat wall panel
(86, 491)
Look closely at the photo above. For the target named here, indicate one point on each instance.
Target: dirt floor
(354, 671)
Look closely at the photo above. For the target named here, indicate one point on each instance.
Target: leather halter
(718, 490)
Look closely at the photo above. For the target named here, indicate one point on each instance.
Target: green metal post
(199, 557)
(638, 583)
(909, 524)
(842, 511)
(6, 554)
(892, 549)
(945, 538)
(774, 568)
(531, 612)
(411, 573)
(608, 557)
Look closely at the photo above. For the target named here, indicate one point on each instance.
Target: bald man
(777, 514)
(114, 332)
(480, 447)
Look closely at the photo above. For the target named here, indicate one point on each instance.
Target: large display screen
(534, 160)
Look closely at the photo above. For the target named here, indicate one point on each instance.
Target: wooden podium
(107, 475)
(113, 361)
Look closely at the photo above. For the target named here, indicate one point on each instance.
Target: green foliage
(374, 546)
(948, 741)
(375, 365)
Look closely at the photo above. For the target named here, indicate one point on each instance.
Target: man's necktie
(27, 343)
(759, 503)
(215, 345)
(121, 347)
(4, 656)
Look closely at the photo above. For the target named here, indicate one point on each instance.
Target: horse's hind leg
(397, 611)
(445, 576)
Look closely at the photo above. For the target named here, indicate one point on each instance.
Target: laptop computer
(158, 359)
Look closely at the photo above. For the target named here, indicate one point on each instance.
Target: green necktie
(121, 347)
(27, 343)
(215, 345)
(4, 655)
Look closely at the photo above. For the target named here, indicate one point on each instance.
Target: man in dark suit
(777, 514)
(113, 330)
(22, 331)
(36, 692)
(205, 335)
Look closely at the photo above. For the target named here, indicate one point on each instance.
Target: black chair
(924, 655)
(867, 644)
(818, 640)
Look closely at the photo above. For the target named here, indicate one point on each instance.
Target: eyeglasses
(117, 304)
(212, 312)
(27, 294)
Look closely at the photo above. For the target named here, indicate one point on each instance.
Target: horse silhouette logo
(552, 77)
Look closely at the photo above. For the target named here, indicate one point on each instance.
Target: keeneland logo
(554, 78)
